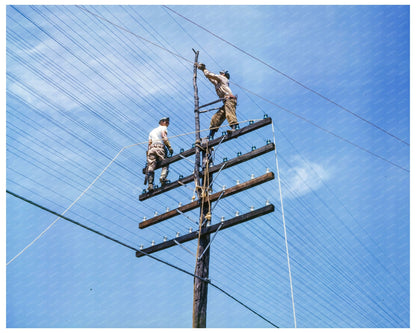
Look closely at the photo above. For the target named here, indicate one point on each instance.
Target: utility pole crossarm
(189, 152)
(213, 197)
(232, 162)
(209, 230)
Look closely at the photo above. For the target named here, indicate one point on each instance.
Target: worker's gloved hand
(170, 151)
(201, 66)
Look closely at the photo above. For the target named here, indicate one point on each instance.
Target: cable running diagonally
(289, 77)
(282, 108)
(137, 250)
(284, 226)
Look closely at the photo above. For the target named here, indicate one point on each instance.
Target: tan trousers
(227, 111)
(155, 154)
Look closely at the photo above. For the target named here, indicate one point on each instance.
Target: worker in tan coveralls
(156, 152)
(227, 111)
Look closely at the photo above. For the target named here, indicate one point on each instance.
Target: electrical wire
(251, 274)
(287, 76)
(285, 109)
(284, 227)
(60, 216)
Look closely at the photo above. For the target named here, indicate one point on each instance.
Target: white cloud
(305, 177)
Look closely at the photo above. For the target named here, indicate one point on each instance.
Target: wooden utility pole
(202, 177)
(199, 312)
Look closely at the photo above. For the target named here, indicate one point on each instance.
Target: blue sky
(85, 85)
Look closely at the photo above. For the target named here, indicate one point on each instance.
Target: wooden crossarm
(213, 197)
(212, 143)
(208, 230)
(232, 162)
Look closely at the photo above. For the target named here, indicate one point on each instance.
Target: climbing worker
(227, 110)
(156, 152)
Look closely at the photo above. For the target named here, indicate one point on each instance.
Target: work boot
(150, 179)
(211, 134)
(163, 180)
(163, 176)
(232, 130)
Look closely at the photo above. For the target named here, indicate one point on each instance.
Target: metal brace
(216, 101)
(186, 249)
(186, 186)
(213, 237)
(208, 110)
(186, 216)
(186, 158)
(219, 171)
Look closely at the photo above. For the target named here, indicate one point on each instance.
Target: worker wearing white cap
(156, 152)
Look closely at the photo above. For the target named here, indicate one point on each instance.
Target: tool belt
(230, 97)
(162, 145)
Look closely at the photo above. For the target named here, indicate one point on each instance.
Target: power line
(288, 77)
(291, 112)
(181, 27)
(337, 198)
(244, 277)
(137, 250)
(134, 34)
(284, 225)
(328, 131)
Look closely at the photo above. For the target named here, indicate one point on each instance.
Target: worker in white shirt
(156, 152)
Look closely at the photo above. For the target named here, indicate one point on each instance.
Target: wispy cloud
(304, 177)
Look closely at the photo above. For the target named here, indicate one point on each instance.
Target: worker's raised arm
(209, 75)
